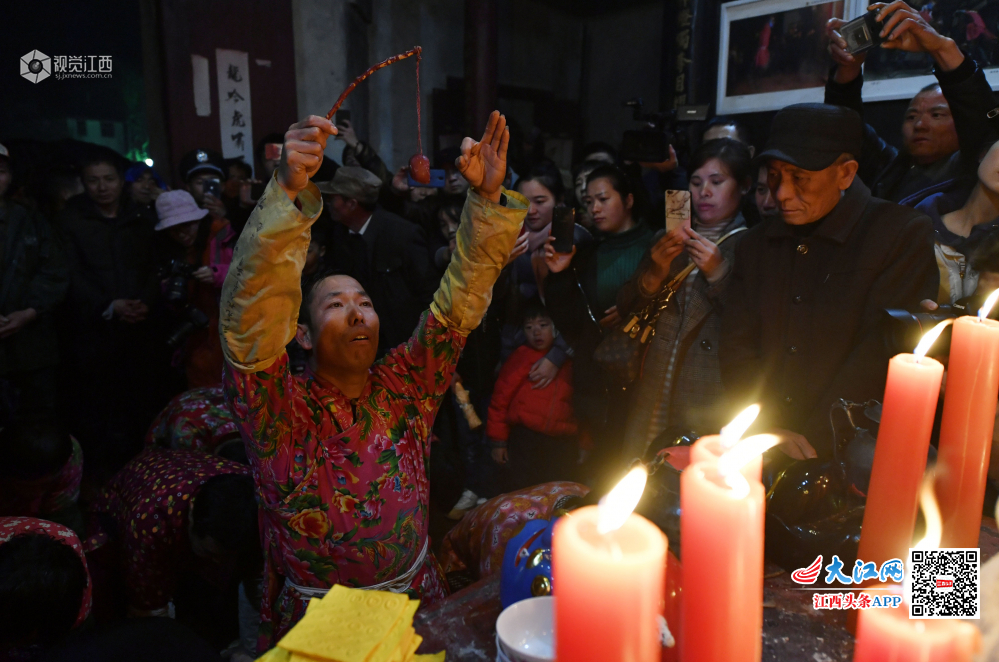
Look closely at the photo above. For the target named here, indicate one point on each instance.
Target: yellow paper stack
(352, 625)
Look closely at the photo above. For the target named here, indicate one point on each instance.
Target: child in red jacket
(531, 430)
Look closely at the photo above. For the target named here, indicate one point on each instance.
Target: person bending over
(339, 454)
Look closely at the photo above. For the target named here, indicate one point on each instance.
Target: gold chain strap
(644, 323)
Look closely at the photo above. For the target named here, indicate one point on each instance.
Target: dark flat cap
(353, 182)
(812, 136)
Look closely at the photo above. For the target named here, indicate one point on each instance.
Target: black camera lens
(903, 329)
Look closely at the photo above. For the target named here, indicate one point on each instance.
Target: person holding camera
(945, 127)
(197, 250)
(581, 294)
(680, 384)
(801, 327)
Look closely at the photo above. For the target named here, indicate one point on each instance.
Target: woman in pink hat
(196, 260)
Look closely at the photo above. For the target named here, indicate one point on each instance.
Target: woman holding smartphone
(581, 292)
(680, 385)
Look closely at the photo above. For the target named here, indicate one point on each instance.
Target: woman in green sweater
(580, 292)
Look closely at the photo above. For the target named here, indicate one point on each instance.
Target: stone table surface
(464, 624)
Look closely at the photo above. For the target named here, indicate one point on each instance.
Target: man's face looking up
(343, 330)
(806, 196)
(928, 128)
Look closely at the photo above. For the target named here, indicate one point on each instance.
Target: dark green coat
(33, 274)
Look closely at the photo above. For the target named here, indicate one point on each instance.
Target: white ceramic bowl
(526, 630)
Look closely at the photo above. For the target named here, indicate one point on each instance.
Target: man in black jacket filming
(945, 126)
(801, 324)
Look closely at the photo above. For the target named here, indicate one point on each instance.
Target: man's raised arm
(262, 292)
(490, 222)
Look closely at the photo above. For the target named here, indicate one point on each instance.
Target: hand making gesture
(303, 153)
(483, 163)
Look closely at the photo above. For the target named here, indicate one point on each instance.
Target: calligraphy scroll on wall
(235, 119)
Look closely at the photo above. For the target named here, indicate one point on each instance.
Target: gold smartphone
(677, 209)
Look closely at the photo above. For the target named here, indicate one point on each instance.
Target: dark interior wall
(39, 111)
(262, 28)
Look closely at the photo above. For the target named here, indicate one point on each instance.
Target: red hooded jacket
(515, 402)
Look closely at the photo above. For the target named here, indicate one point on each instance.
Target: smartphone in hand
(436, 180)
(212, 187)
(677, 209)
(563, 228)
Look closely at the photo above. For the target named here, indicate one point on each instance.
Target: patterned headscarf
(15, 526)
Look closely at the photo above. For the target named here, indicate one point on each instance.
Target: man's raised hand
(905, 29)
(303, 153)
(483, 163)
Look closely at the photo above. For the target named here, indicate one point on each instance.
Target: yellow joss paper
(433, 657)
(313, 603)
(396, 638)
(275, 655)
(348, 625)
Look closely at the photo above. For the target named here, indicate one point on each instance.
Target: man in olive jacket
(33, 281)
(801, 326)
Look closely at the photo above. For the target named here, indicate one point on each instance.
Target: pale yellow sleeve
(262, 291)
(486, 236)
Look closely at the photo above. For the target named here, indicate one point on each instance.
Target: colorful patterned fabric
(148, 504)
(478, 542)
(15, 526)
(47, 495)
(343, 484)
(198, 419)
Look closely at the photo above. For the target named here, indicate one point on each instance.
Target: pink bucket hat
(176, 207)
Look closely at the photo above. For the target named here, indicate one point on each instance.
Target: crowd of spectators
(115, 435)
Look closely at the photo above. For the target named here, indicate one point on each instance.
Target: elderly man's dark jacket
(32, 275)
(396, 271)
(802, 321)
(109, 258)
(891, 172)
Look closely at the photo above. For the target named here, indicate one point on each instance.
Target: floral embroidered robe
(343, 484)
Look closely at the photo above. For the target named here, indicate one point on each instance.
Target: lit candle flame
(986, 308)
(733, 460)
(931, 514)
(930, 337)
(732, 433)
(620, 502)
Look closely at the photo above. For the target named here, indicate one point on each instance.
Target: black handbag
(621, 354)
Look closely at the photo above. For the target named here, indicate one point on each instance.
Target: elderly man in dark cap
(385, 253)
(801, 326)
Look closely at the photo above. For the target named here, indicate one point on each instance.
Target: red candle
(889, 635)
(711, 447)
(969, 413)
(907, 415)
(608, 587)
(722, 532)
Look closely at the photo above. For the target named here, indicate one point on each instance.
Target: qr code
(944, 583)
